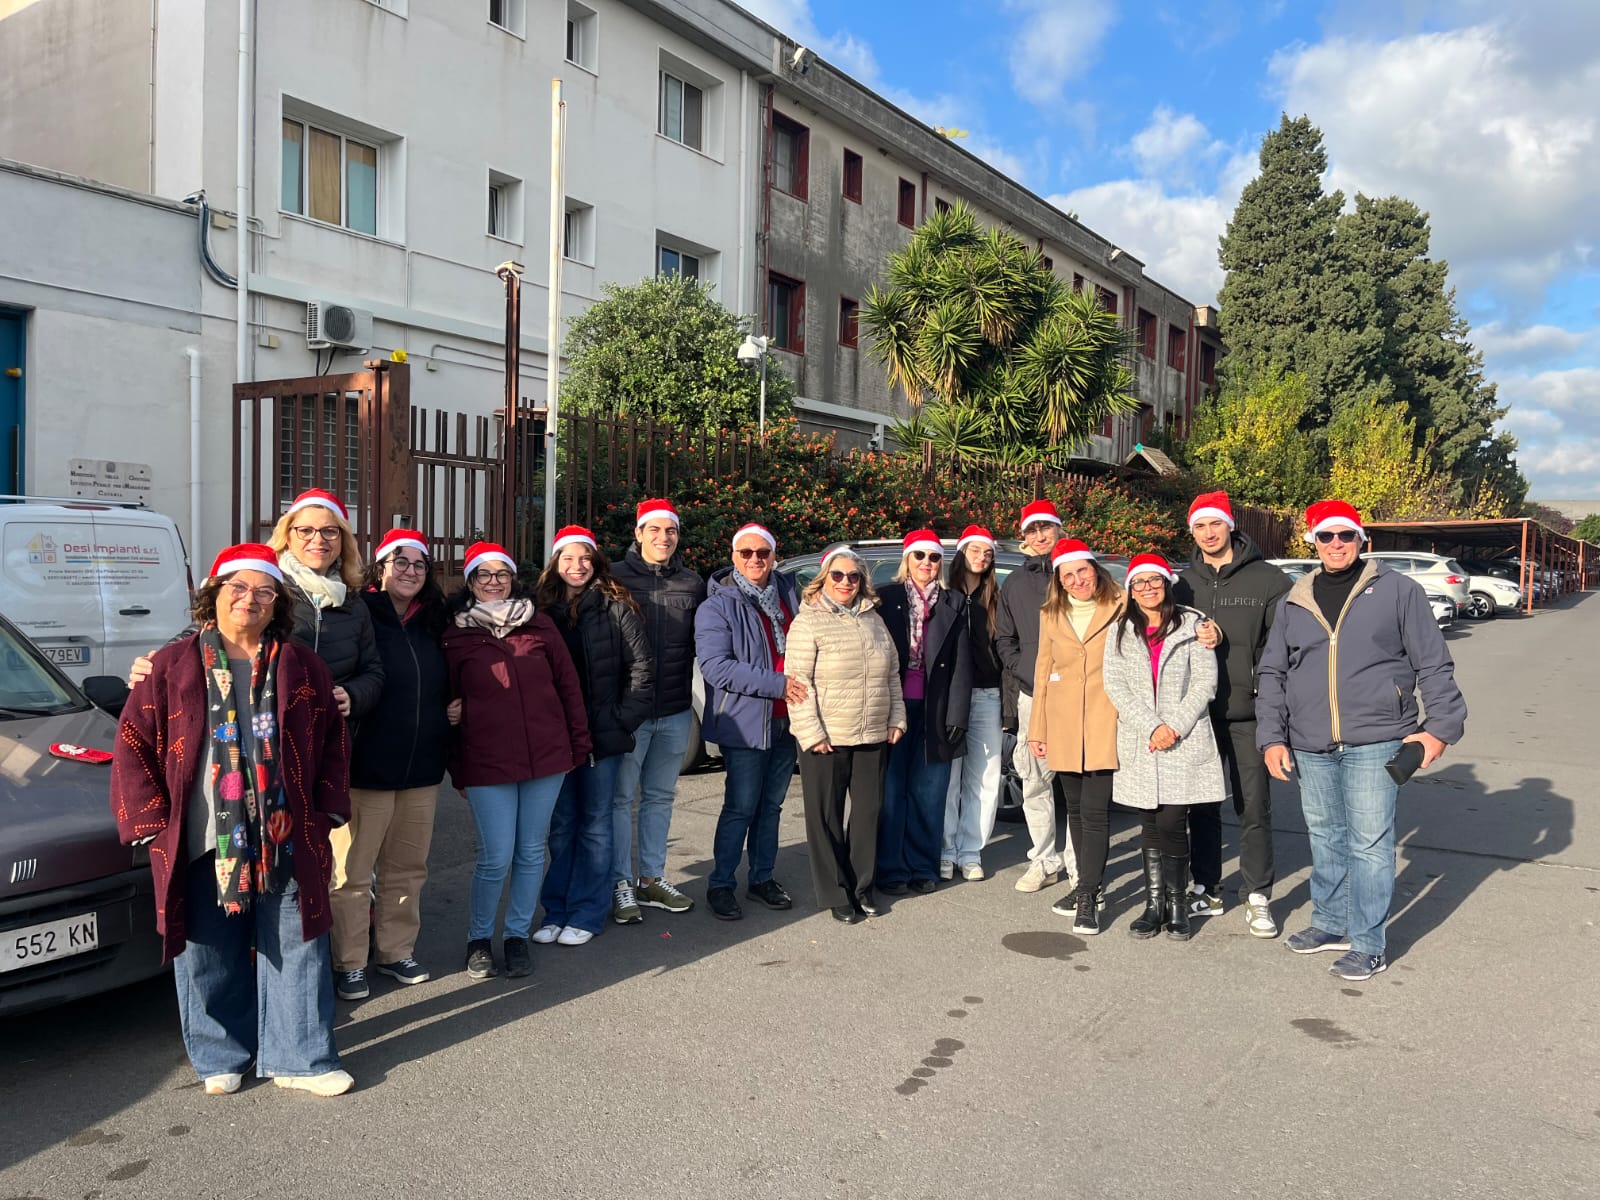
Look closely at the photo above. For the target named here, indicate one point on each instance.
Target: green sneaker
(1203, 903)
(658, 893)
(624, 904)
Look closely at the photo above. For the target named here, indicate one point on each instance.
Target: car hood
(55, 813)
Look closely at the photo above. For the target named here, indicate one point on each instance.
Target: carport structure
(1560, 563)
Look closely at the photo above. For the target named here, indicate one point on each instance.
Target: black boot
(1148, 923)
(1175, 879)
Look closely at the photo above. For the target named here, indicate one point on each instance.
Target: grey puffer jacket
(1189, 771)
(847, 661)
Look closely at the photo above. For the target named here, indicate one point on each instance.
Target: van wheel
(1480, 606)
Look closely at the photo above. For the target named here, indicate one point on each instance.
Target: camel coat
(1072, 715)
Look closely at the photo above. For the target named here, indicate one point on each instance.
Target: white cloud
(1508, 345)
(1555, 415)
(1056, 41)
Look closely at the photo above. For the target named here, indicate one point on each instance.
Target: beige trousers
(388, 832)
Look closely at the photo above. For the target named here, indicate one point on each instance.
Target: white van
(94, 585)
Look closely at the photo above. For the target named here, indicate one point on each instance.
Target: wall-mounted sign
(99, 479)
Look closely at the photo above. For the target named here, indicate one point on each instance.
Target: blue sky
(1145, 119)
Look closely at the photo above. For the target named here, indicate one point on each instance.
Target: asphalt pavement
(964, 1042)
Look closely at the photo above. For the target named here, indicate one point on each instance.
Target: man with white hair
(740, 634)
(1351, 645)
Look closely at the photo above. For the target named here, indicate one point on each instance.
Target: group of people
(283, 757)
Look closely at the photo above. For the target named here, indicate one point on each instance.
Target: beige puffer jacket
(848, 663)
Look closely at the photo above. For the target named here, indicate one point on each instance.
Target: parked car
(77, 909)
(1294, 568)
(1441, 574)
(1444, 608)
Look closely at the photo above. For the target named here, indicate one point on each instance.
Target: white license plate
(67, 656)
(55, 939)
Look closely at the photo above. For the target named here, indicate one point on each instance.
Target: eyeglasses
(405, 566)
(326, 533)
(492, 576)
(1344, 535)
(850, 577)
(760, 555)
(921, 555)
(264, 596)
(1146, 582)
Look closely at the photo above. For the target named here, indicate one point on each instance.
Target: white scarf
(324, 591)
(499, 617)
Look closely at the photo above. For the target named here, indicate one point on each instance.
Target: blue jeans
(651, 772)
(911, 829)
(577, 886)
(752, 803)
(973, 798)
(513, 821)
(1348, 801)
(250, 988)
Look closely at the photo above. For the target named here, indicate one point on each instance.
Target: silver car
(1434, 571)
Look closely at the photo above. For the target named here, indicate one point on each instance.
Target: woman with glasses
(396, 765)
(929, 627)
(523, 727)
(1073, 726)
(852, 714)
(973, 797)
(1162, 681)
(231, 766)
(600, 623)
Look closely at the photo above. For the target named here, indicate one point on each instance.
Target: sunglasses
(1347, 536)
(760, 555)
(850, 577)
(921, 555)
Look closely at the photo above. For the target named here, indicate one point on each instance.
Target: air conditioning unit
(337, 327)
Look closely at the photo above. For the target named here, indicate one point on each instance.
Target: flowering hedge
(809, 497)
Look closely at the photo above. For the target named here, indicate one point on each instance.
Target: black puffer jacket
(617, 672)
(667, 596)
(1016, 631)
(343, 639)
(1242, 598)
(403, 741)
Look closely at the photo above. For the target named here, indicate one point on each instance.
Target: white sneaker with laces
(1036, 877)
(546, 934)
(223, 1085)
(1258, 916)
(973, 872)
(573, 936)
(329, 1083)
(947, 869)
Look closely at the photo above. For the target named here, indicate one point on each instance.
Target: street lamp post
(753, 353)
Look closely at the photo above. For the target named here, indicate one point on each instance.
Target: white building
(394, 152)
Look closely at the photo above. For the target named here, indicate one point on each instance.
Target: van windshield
(28, 687)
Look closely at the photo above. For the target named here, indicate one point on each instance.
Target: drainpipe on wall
(742, 296)
(195, 460)
(241, 365)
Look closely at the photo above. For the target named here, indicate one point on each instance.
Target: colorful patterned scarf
(921, 604)
(254, 824)
(770, 603)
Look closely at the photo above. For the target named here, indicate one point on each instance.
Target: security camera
(751, 351)
(800, 60)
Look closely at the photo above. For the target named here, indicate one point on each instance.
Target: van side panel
(50, 589)
(144, 585)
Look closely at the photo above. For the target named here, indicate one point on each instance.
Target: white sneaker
(1036, 877)
(329, 1083)
(972, 872)
(546, 934)
(947, 869)
(223, 1085)
(573, 936)
(1258, 916)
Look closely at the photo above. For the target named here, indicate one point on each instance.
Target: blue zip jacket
(1357, 683)
(736, 663)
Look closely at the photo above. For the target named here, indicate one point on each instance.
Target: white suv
(1435, 571)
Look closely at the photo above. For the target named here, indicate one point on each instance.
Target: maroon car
(77, 912)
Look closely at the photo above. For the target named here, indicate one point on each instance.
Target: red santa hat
(974, 533)
(1151, 564)
(322, 499)
(1332, 514)
(840, 550)
(925, 540)
(1213, 506)
(661, 509)
(402, 539)
(480, 553)
(572, 535)
(1039, 510)
(1070, 550)
(247, 556)
(761, 531)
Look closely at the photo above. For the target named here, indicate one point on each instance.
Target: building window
(852, 176)
(791, 153)
(1175, 347)
(940, 204)
(577, 232)
(682, 105)
(505, 207)
(1077, 282)
(329, 177)
(908, 204)
(786, 312)
(510, 15)
(849, 321)
(303, 431)
(670, 261)
(582, 42)
(1049, 263)
(1208, 364)
(1147, 333)
(1106, 297)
